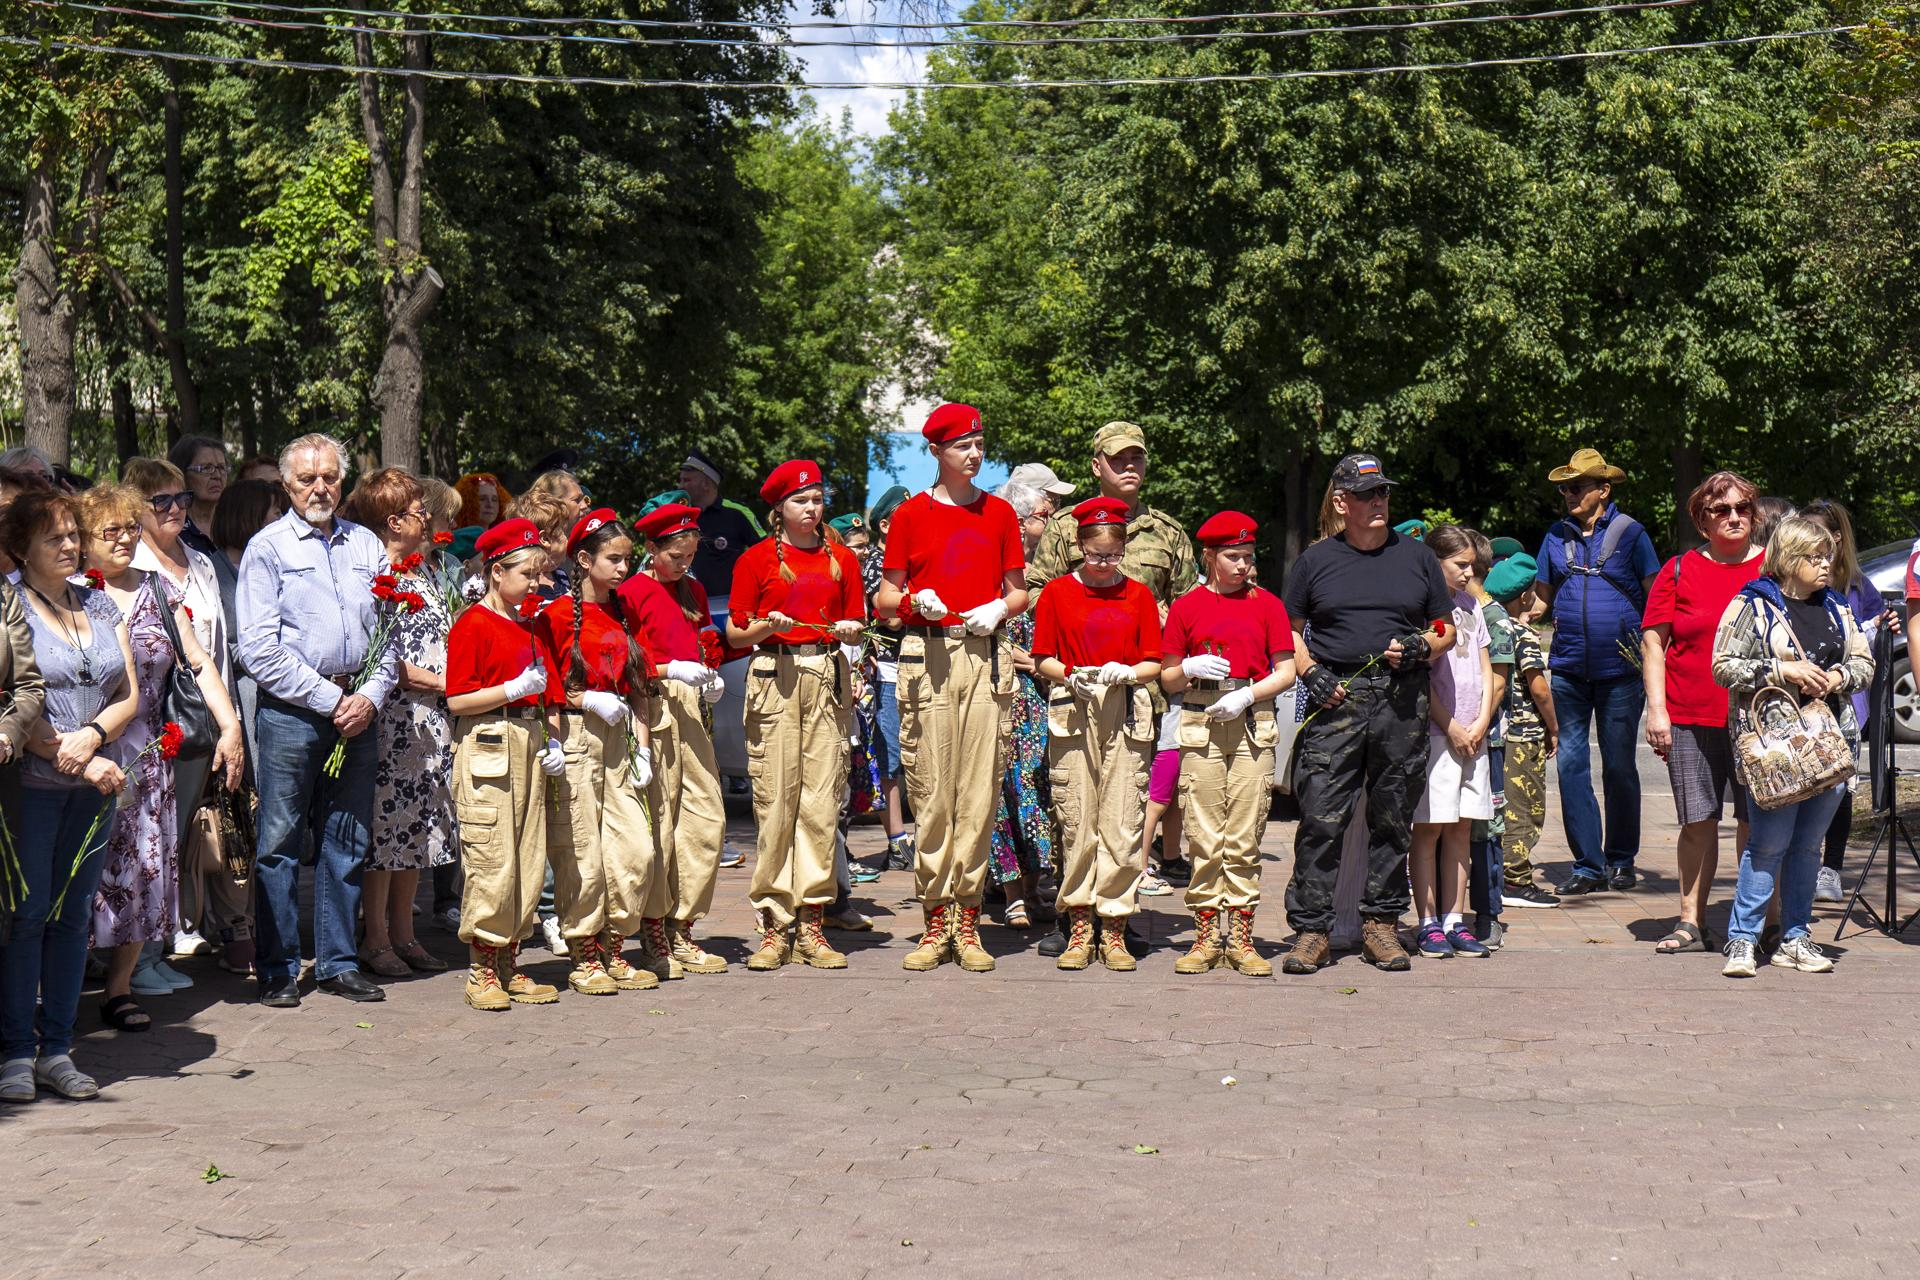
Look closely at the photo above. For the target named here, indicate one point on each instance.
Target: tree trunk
(126, 426)
(48, 318)
(1687, 474)
(1294, 487)
(186, 396)
(249, 422)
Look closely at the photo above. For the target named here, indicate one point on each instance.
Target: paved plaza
(1574, 1106)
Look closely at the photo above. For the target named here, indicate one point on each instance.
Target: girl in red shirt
(600, 842)
(667, 611)
(1097, 637)
(797, 597)
(504, 751)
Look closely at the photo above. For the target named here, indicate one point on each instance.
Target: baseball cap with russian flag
(1360, 473)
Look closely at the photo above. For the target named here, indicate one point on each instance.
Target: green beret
(1511, 577)
(462, 547)
(1504, 547)
(886, 504)
(1415, 529)
(844, 525)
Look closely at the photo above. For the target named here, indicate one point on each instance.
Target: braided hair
(575, 675)
(829, 538)
(683, 588)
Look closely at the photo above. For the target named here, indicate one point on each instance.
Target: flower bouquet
(166, 745)
(390, 605)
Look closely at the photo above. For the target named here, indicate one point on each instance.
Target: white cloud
(868, 107)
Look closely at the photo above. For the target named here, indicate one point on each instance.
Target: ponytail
(829, 539)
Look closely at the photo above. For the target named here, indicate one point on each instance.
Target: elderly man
(1594, 569)
(307, 615)
(1375, 605)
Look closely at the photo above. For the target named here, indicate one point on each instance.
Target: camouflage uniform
(1526, 747)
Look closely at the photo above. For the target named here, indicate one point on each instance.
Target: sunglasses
(1574, 488)
(162, 502)
(1721, 510)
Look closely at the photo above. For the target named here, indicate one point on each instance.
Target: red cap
(1098, 511)
(664, 521)
(1228, 529)
(506, 538)
(790, 478)
(588, 525)
(951, 422)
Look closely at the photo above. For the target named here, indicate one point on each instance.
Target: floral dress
(412, 804)
(139, 895)
(1023, 825)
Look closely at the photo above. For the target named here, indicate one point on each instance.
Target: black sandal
(1687, 936)
(119, 1013)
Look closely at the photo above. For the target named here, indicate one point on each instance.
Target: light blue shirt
(307, 611)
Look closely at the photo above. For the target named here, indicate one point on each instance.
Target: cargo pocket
(1139, 725)
(1195, 730)
(1062, 719)
(482, 841)
(488, 754)
(1006, 680)
(1261, 727)
(763, 679)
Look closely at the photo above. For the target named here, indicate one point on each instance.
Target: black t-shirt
(724, 534)
(1819, 635)
(1357, 602)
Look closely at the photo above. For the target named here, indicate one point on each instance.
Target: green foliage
(317, 225)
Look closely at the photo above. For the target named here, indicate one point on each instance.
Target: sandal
(418, 958)
(1152, 885)
(1686, 936)
(122, 1014)
(1015, 916)
(60, 1075)
(384, 962)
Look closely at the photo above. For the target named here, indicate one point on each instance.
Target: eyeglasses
(1574, 488)
(414, 513)
(1106, 561)
(1721, 510)
(1820, 559)
(117, 532)
(162, 502)
(207, 469)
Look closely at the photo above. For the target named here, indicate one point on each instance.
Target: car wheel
(1906, 702)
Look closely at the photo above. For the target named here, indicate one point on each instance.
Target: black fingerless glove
(1414, 647)
(1321, 683)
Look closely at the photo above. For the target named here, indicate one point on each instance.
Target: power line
(614, 82)
(1190, 37)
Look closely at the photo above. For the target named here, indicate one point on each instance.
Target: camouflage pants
(1526, 809)
(1377, 738)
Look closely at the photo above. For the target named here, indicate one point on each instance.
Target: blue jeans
(1614, 707)
(1486, 865)
(886, 719)
(301, 808)
(1783, 845)
(45, 960)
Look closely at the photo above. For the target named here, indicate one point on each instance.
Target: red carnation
(710, 647)
(96, 579)
(170, 739)
(530, 607)
(409, 564)
(413, 601)
(1440, 628)
(442, 539)
(386, 580)
(188, 610)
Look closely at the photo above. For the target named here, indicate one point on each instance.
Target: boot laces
(936, 927)
(1081, 932)
(1206, 925)
(486, 971)
(655, 933)
(968, 931)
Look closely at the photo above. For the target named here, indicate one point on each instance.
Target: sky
(869, 107)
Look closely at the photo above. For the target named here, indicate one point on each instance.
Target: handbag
(1785, 751)
(184, 704)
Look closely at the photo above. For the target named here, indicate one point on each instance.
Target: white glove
(529, 682)
(1114, 673)
(929, 606)
(851, 652)
(610, 707)
(473, 588)
(640, 765)
(1232, 703)
(985, 619)
(1206, 666)
(1081, 680)
(553, 761)
(685, 672)
(714, 689)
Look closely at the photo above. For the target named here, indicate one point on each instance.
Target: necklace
(85, 674)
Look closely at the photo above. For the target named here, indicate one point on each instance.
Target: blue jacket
(1598, 595)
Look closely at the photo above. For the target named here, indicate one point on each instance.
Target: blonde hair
(513, 558)
(443, 500)
(152, 475)
(829, 539)
(550, 515)
(107, 501)
(1795, 539)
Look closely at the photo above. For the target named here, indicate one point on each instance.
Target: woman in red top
(1229, 647)
(797, 597)
(1686, 710)
(600, 843)
(1096, 635)
(667, 612)
(504, 750)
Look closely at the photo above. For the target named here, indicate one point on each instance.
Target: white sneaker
(188, 942)
(1803, 954)
(550, 930)
(731, 857)
(849, 919)
(1827, 887)
(1742, 959)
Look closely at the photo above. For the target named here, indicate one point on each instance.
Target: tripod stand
(1893, 832)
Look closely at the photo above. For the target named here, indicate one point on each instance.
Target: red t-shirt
(653, 612)
(1246, 628)
(1693, 608)
(1913, 573)
(812, 597)
(1086, 626)
(961, 554)
(485, 649)
(603, 647)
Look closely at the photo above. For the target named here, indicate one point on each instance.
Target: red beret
(664, 521)
(1228, 529)
(790, 478)
(1097, 511)
(506, 538)
(588, 525)
(951, 422)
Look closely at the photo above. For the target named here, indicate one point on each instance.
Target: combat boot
(1380, 946)
(656, 951)
(967, 951)
(589, 973)
(936, 944)
(692, 957)
(522, 989)
(810, 945)
(1311, 953)
(625, 976)
(484, 991)
(774, 950)
(1079, 934)
(1206, 953)
(1113, 945)
(1240, 953)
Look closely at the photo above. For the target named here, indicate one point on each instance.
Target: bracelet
(97, 729)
